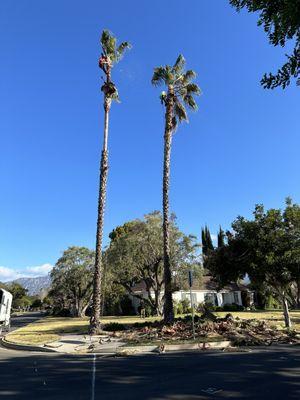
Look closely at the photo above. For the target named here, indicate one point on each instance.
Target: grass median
(50, 329)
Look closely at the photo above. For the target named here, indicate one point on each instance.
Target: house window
(236, 297)
(194, 298)
(210, 298)
(184, 296)
(187, 296)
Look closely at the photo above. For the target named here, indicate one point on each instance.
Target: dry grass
(49, 329)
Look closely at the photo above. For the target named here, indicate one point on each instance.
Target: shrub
(178, 309)
(186, 309)
(114, 326)
(233, 307)
(218, 308)
(58, 312)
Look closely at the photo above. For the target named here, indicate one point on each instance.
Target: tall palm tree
(180, 93)
(111, 54)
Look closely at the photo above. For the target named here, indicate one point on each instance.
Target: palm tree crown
(111, 54)
(180, 87)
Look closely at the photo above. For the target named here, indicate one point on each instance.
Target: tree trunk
(298, 294)
(168, 301)
(96, 305)
(286, 313)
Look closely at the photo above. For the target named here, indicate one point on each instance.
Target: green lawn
(50, 328)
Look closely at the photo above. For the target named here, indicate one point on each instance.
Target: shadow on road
(271, 374)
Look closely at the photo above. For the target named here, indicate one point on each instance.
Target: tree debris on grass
(241, 332)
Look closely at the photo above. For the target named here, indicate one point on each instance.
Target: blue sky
(239, 149)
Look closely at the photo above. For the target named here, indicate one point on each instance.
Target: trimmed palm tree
(180, 93)
(111, 54)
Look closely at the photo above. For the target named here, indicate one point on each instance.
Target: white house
(205, 292)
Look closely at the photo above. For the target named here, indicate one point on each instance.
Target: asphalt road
(271, 373)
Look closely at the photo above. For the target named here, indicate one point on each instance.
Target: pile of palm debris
(241, 332)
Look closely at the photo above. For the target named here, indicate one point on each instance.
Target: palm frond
(179, 65)
(180, 111)
(121, 49)
(189, 76)
(169, 75)
(174, 123)
(190, 102)
(193, 88)
(105, 39)
(108, 43)
(159, 76)
(109, 46)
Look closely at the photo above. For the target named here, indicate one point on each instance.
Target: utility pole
(192, 303)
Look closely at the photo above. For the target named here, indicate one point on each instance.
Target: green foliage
(180, 88)
(111, 54)
(182, 307)
(281, 22)
(266, 248)
(19, 293)
(186, 307)
(233, 307)
(221, 237)
(272, 303)
(36, 303)
(135, 255)
(114, 326)
(207, 244)
(72, 278)
(111, 49)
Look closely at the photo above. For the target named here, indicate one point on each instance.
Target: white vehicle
(5, 307)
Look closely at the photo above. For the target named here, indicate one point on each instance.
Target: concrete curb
(16, 346)
(131, 350)
(198, 346)
(125, 350)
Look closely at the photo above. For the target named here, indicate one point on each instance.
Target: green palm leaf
(180, 112)
(179, 65)
(190, 102)
(159, 76)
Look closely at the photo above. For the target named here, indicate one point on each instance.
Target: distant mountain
(34, 285)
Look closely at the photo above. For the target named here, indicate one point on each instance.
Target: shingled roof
(206, 284)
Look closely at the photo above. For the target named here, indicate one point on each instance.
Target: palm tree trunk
(96, 308)
(168, 301)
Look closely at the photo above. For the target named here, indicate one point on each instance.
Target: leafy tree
(72, 280)
(281, 21)
(266, 248)
(136, 256)
(180, 93)
(111, 54)
(221, 237)
(19, 293)
(36, 302)
(207, 243)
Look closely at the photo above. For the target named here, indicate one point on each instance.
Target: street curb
(15, 346)
(198, 346)
(126, 350)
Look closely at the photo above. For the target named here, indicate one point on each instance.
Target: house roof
(206, 284)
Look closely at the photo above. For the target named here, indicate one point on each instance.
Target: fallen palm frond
(238, 331)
